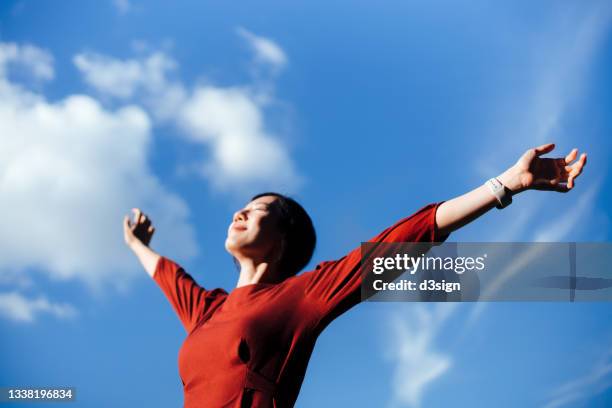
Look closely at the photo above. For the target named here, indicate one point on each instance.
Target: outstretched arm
(137, 235)
(530, 172)
(191, 301)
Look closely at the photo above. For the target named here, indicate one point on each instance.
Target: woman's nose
(239, 216)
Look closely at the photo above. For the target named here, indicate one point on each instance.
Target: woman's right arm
(137, 234)
(191, 302)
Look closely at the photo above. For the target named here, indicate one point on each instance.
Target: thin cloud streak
(560, 229)
(594, 382)
(266, 51)
(559, 80)
(560, 77)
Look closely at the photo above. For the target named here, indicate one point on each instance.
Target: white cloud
(228, 122)
(243, 152)
(27, 57)
(69, 168)
(123, 78)
(17, 307)
(69, 171)
(266, 51)
(417, 363)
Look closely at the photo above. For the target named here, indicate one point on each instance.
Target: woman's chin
(232, 245)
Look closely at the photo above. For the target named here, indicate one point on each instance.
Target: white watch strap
(499, 191)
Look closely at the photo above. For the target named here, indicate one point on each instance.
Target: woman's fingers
(545, 148)
(140, 218)
(139, 228)
(557, 174)
(141, 222)
(146, 222)
(126, 223)
(571, 156)
(136, 217)
(576, 170)
(582, 161)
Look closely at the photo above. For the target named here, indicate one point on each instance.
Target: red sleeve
(190, 301)
(335, 286)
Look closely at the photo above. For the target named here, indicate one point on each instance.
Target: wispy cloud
(266, 51)
(561, 229)
(123, 78)
(122, 6)
(560, 73)
(36, 61)
(563, 51)
(555, 231)
(563, 66)
(19, 308)
(582, 388)
(517, 266)
(561, 55)
(416, 361)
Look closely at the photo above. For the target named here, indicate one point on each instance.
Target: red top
(251, 347)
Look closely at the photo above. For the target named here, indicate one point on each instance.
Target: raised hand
(552, 174)
(139, 229)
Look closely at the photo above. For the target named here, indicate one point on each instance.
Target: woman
(250, 347)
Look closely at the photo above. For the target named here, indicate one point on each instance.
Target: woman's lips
(238, 227)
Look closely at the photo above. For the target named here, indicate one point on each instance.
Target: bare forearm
(530, 172)
(459, 211)
(147, 257)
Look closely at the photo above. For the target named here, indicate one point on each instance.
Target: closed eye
(259, 208)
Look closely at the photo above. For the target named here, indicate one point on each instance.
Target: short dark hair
(299, 236)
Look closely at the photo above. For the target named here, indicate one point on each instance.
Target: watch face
(507, 198)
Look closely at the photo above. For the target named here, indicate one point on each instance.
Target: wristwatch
(501, 193)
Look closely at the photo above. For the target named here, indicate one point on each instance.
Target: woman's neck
(252, 271)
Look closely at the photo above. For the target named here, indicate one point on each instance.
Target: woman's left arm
(530, 172)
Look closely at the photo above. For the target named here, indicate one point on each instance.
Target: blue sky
(364, 112)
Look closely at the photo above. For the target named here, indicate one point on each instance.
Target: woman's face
(254, 230)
